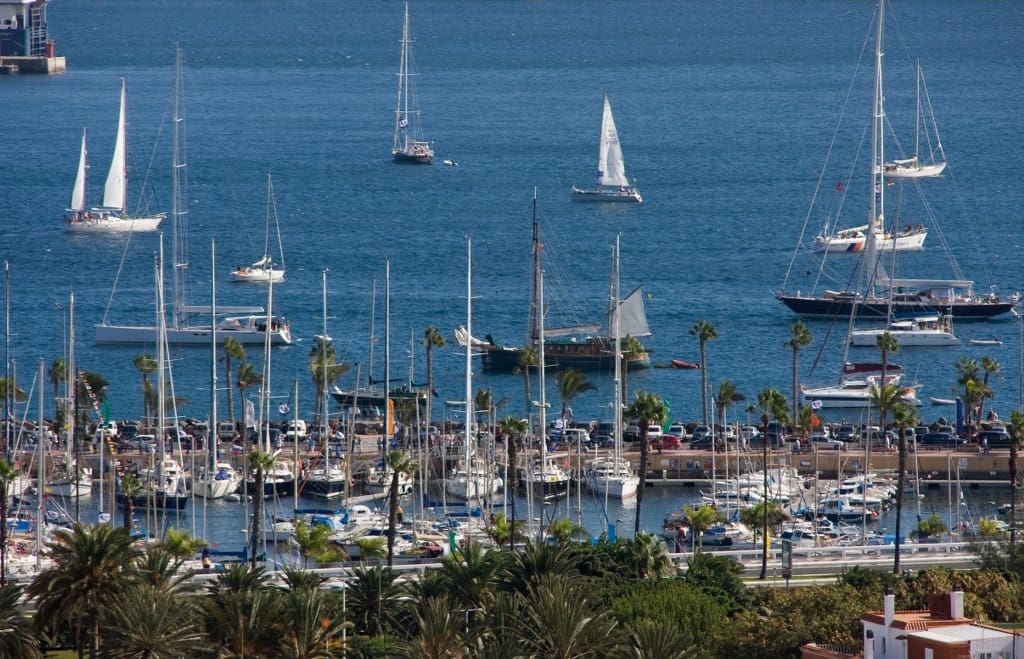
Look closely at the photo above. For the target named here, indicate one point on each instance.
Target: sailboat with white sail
(265, 268)
(408, 145)
(614, 475)
(935, 163)
(612, 184)
(250, 327)
(112, 216)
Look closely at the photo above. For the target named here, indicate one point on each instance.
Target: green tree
(754, 515)
(58, 375)
(440, 629)
(179, 543)
(130, 488)
(512, 429)
(571, 384)
(799, 337)
(647, 408)
(968, 375)
(701, 519)
(565, 530)
(145, 365)
(931, 525)
(374, 599)
(17, 638)
(260, 462)
(647, 638)
(398, 462)
(233, 349)
(314, 542)
(728, 395)
(92, 566)
(1016, 439)
(772, 404)
(704, 331)
(562, 622)
(157, 624)
(990, 367)
(432, 338)
(324, 370)
(904, 416)
(886, 344)
(241, 611)
(8, 474)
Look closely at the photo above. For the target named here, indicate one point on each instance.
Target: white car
(677, 429)
(749, 432)
(653, 431)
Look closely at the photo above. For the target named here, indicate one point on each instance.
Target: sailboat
(914, 167)
(934, 330)
(614, 476)
(408, 145)
(878, 294)
(249, 328)
(264, 269)
(612, 184)
(581, 347)
(111, 217)
(473, 479)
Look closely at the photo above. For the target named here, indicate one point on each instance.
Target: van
(225, 431)
(577, 436)
(295, 429)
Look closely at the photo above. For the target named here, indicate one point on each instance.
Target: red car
(667, 443)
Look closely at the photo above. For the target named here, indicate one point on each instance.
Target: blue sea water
(725, 112)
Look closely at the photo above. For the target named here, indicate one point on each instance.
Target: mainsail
(611, 170)
(78, 192)
(114, 189)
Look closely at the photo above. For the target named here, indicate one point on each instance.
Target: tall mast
(535, 309)
(373, 337)
(877, 219)
(387, 354)
(467, 444)
(179, 197)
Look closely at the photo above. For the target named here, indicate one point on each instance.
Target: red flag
(839, 186)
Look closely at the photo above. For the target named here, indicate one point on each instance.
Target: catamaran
(612, 184)
(111, 217)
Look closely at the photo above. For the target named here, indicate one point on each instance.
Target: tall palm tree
(728, 395)
(233, 349)
(561, 622)
(324, 370)
(968, 370)
(527, 359)
(17, 639)
(990, 367)
(58, 375)
(886, 344)
(130, 487)
(8, 474)
(308, 627)
(511, 429)
(772, 404)
(146, 365)
(571, 383)
(704, 331)
(440, 629)
(91, 569)
(1016, 439)
(399, 462)
(799, 337)
(241, 611)
(261, 462)
(432, 338)
(903, 416)
(647, 408)
(247, 377)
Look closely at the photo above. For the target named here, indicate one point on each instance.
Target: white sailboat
(614, 476)
(933, 330)
(915, 167)
(112, 216)
(852, 241)
(265, 269)
(472, 480)
(612, 184)
(249, 328)
(408, 145)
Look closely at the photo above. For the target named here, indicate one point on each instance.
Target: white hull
(68, 488)
(893, 170)
(617, 487)
(613, 195)
(257, 275)
(112, 224)
(854, 241)
(199, 335)
(473, 487)
(908, 338)
(845, 398)
(218, 484)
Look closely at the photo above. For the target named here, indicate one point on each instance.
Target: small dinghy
(679, 363)
(985, 342)
(942, 401)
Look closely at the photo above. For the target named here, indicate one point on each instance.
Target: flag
(106, 410)
(403, 123)
(668, 415)
(250, 414)
(839, 186)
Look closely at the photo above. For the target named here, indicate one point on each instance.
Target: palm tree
(527, 360)
(157, 624)
(233, 349)
(130, 488)
(647, 408)
(241, 611)
(261, 462)
(314, 541)
(324, 370)
(704, 331)
(58, 375)
(1016, 439)
(247, 377)
(701, 519)
(772, 404)
(16, 639)
(648, 638)
(511, 429)
(92, 568)
(886, 344)
(968, 370)
(799, 337)
(631, 349)
(903, 416)
(399, 463)
(307, 626)
(8, 474)
(374, 599)
(728, 395)
(146, 365)
(571, 383)
(179, 543)
(990, 367)
(432, 338)
(561, 622)
(440, 629)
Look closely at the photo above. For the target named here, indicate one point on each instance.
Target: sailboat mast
(534, 305)
(387, 355)
(542, 420)
(40, 471)
(467, 445)
(617, 329)
(179, 206)
(323, 379)
(373, 336)
(877, 223)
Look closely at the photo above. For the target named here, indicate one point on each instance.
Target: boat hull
(419, 156)
(914, 171)
(832, 307)
(912, 241)
(324, 488)
(870, 338)
(257, 276)
(112, 224)
(626, 196)
(596, 355)
(200, 335)
(216, 489)
(159, 500)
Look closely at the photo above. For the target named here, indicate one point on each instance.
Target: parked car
(995, 438)
(747, 433)
(677, 430)
(825, 443)
(704, 444)
(631, 433)
(602, 441)
(846, 433)
(653, 431)
(667, 443)
(575, 436)
(295, 430)
(699, 433)
(225, 431)
(941, 439)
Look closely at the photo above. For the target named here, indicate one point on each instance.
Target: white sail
(114, 189)
(78, 192)
(632, 316)
(610, 167)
